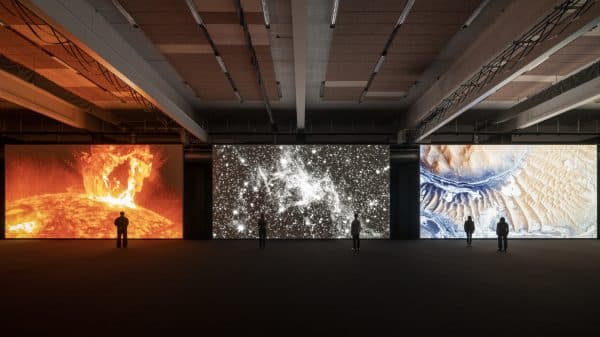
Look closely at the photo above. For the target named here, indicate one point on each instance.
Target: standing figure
(502, 232)
(355, 231)
(469, 229)
(262, 231)
(121, 223)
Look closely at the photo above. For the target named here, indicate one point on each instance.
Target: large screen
(543, 191)
(305, 191)
(76, 191)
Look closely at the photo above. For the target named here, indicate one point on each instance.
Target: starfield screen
(543, 191)
(305, 191)
(77, 191)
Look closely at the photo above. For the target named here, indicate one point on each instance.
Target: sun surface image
(76, 191)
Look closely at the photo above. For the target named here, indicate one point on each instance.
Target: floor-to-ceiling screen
(543, 191)
(305, 191)
(76, 191)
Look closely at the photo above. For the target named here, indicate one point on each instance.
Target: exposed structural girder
(39, 81)
(29, 96)
(568, 94)
(561, 24)
(299, 30)
(79, 21)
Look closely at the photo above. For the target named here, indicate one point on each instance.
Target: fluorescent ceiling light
(379, 64)
(125, 14)
(386, 94)
(265, 11)
(405, 12)
(63, 63)
(345, 84)
(476, 13)
(221, 63)
(239, 97)
(192, 6)
(362, 96)
(334, 12)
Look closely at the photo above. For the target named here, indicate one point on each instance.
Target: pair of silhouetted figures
(501, 232)
(355, 229)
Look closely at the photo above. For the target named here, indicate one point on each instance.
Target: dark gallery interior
(299, 167)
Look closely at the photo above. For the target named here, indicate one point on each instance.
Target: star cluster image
(305, 191)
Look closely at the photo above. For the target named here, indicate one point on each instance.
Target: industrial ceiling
(385, 71)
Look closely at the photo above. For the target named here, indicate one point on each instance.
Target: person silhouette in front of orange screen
(469, 229)
(355, 231)
(502, 232)
(121, 223)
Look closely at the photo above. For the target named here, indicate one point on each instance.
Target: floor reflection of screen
(543, 191)
(306, 191)
(76, 191)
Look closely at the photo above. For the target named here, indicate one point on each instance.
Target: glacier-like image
(543, 191)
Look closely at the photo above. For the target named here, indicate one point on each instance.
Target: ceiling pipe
(401, 19)
(202, 25)
(256, 66)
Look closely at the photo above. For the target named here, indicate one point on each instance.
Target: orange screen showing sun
(77, 191)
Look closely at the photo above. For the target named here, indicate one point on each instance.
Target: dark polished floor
(310, 288)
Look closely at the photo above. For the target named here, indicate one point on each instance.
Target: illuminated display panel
(76, 191)
(306, 191)
(543, 191)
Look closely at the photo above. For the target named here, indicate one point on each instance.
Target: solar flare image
(76, 191)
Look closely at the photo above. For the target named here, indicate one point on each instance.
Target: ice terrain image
(543, 191)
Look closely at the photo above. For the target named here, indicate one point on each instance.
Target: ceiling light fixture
(362, 96)
(379, 63)
(62, 63)
(334, 12)
(475, 13)
(221, 63)
(192, 6)
(125, 14)
(278, 84)
(405, 12)
(265, 11)
(239, 97)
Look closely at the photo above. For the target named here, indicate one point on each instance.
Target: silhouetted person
(121, 223)
(502, 232)
(355, 231)
(469, 229)
(262, 231)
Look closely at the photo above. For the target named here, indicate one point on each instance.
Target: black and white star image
(305, 191)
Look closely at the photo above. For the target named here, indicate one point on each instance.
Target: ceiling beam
(319, 38)
(573, 92)
(29, 96)
(512, 20)
(299, 28)
(81, 23)
(54, 89)
(498, 25)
